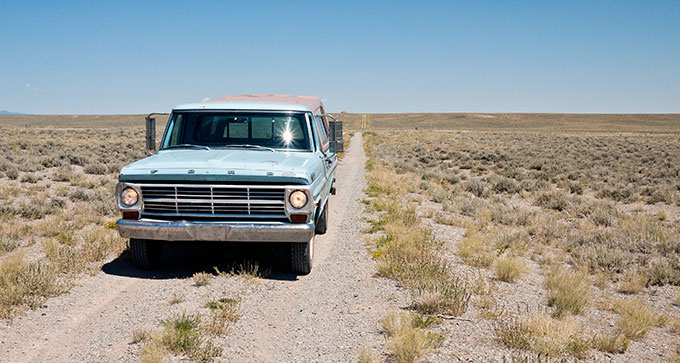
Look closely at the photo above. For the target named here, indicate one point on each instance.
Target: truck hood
(223, 165)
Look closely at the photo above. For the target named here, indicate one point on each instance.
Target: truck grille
(223, 202)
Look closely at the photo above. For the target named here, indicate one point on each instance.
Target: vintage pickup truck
(248, 168)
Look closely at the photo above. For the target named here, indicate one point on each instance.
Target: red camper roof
(313, 103)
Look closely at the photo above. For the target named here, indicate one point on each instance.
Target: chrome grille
(214, 201)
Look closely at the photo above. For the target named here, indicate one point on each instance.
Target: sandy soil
(325, 316)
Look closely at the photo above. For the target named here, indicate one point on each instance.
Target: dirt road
(325, 316)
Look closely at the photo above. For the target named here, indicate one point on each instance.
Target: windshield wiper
(250, 146)
(187, 145)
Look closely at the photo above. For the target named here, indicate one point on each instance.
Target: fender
(322, 204)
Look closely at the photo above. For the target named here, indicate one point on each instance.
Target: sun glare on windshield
(287, 135)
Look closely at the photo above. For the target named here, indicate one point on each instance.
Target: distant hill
(5, 112)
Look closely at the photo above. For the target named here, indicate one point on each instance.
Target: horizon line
(12, 113)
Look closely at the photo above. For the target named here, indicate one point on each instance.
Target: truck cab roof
(260, 102)
(249, 106)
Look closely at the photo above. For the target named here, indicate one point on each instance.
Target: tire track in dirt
(64, 329)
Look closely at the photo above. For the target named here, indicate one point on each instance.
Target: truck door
(330, 160)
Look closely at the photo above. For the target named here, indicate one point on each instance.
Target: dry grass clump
(476, 187)
(29, 178)
(543, 334)
(488, 308)
(636, 318)
(36, 208)
(71, 253)
(513, 333)
(633, 282)
(181, 334)
(366, 355)
(546, 228)
(676, 298)
(189, 334)
(475, 249)
(140, 335)
(553, 200)
(8, 244)
(603, 214)
(223, 313)
(202, 278)
(510, 216)
(176, 298)
(567, 291)
(383, 181)
(55, 225)
(610, 343)
(444, 294)
(509, 268)
(407, 342)
(25, 284)
(436, 191)
(411, 344)
(12, 173)
(408, 255)
(97, 169)
(153, 351)
(249, 270)
(501, 184)
(15, 229)
(64, 173)
(515, 242)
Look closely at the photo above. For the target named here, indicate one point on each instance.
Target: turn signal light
(298, 217)
(130, 215)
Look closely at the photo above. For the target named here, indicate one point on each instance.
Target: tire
(302, 256)
(146, 254)
(322, 221)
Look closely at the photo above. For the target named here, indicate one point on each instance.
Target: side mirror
(337, 145)
(150, 134)
(335, 134)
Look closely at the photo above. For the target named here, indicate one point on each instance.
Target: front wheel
(302, 256)
(146, 254)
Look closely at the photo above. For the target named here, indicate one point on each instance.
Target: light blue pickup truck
(250, 168)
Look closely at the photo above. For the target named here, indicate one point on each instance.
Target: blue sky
(82, 57)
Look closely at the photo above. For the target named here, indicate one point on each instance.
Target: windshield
(261, 130)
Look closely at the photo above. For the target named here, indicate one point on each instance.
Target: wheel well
(319, 210)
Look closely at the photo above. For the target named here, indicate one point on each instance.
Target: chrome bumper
(215, 231)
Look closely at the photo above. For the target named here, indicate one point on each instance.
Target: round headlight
(298, 199)
(129, 197)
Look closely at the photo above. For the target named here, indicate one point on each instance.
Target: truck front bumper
(215, 231)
